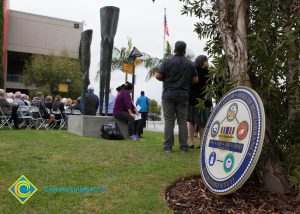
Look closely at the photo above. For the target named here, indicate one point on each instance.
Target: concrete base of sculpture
(89, 126)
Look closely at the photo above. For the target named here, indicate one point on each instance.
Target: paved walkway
(158, 126)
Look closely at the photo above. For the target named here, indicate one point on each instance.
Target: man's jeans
(174, 109)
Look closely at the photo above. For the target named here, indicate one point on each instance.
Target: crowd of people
(10, 103)
(183, 83)
(119, 106)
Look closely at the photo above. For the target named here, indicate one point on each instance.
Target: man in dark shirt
(177, 74)
(91, 102)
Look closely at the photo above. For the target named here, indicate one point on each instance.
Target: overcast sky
(142, 20)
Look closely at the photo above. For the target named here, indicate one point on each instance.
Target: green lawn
(134, 172)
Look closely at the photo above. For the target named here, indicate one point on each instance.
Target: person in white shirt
(17, 99)
(10, 97)
(111, 103)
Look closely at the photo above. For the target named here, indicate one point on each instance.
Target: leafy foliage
(120, 56)
(153, 107)
(153, 63)
(46, 72)
(1, 44)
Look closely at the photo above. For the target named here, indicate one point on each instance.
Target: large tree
(153, 107)
(1, 44)
(256, 43)
(46, 72)
(259, 43)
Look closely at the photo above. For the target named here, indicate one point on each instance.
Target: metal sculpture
(85, 60)
(109, 17)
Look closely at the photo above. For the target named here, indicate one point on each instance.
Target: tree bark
(241, 42)
(293, 93)
(234, 38)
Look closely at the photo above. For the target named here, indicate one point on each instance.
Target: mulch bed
(189, 195)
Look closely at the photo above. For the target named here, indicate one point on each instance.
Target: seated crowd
(12, 106)
(54, 109)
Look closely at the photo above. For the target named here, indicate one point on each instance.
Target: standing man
(111, 103)
(177, 74)
(91, 102)
(143, 102)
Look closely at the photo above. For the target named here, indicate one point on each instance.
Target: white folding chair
(24, 115)
(68, 111)
(59, 120)
(76, 112)
(4, 119)
(36, 118)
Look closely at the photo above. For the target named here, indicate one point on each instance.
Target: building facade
(29, 34)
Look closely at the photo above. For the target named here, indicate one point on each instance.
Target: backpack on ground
(111, 131)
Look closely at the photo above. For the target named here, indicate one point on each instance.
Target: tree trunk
(235, 46)
(234, 40)
(293, 92)
(269, 170)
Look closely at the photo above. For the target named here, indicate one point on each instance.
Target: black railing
(13, 77)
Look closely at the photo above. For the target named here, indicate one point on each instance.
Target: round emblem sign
(232, 142)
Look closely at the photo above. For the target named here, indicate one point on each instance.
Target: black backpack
(111, 131)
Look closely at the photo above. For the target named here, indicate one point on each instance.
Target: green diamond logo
(22, 189)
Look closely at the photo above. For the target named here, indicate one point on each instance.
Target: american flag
(166, 30)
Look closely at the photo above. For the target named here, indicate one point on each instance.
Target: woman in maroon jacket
(125, 110)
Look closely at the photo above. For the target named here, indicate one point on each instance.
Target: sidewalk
(158, 126)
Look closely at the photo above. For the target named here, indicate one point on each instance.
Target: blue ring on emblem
(228, 163)
(253, 101)
(212, 158)
(215, 129)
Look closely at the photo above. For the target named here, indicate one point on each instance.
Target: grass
(135, 173)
